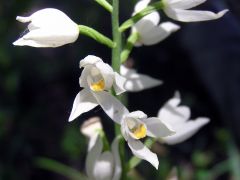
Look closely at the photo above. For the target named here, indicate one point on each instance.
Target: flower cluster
(52, 28)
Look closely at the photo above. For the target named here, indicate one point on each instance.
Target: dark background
(38, 86)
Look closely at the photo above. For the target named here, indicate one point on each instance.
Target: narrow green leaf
(90, 32)
(132, 39)
(105, 5)
(59, 168)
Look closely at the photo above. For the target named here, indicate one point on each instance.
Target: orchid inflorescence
(101, 83)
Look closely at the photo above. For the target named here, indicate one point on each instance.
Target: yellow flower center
(98, 86)
(140, 131)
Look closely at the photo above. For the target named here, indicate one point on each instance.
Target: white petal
(91, 127)
(144, 25)
(117, 160)
(84, 76)
(192, 15)
(137, 115)
(92, 157)
(23, 42)
(103, 168)
(142, 152)
(141, 5)
(84, 102)
(89, 60)
(137, 82)
(111, 105)
(23, 19)
(107, 73)
(159, 33)
(156, 128)
(184, 4)
(173, 114)
(119, 83)
(186, 131)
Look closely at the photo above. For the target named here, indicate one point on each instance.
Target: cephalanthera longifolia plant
(101, 83)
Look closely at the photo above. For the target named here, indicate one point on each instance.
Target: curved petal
(137, 115)
(117, 160)
(159, 33)
(137, 82)
(186, 131)
(89, 60)
(92, 156)
(84, 101)
(118, 84)
(184, 4)
(23, 19)
(140, 5)
(111, 106)
(103, 168)
(173, 114)
(84, 76)
(192, 15)
(23, 42)
(107, 73)
(156, 128)
(142, 152)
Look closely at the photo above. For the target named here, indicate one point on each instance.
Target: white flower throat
(137, 128)
(97, 82)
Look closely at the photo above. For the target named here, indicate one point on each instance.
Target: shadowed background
(38, 86)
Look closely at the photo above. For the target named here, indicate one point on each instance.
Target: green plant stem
(59, 168)
(105, 4)
(90, 32)
(149, 9)
(132, 39)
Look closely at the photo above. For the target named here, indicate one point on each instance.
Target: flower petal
(93, 156)
(111, 106)
(186, 131)
(173, 114)
(159, 33)
(142, 152)
(137, 82)
(23, 19)
(107, 73)
(119, 83)
(84, 101)
(89, 60)
(184, 4)
(192, 15)
(103, 168)
(141, 5)
(137, 115)
(156, 128)
(117, 160)
(23, 42)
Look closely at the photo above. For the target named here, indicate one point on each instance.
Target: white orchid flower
(136, 82)
(103, 165)
(48, 28)
(97, 77)
(148, 28)
(178, 117)
(179, 10)
(135, 126)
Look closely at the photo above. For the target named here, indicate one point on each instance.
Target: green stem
(149, 9)
(59, 168)
(105, 4)
(132, 39)
(90, 32)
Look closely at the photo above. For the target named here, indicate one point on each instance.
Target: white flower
(48, 28)
(178, 10)
(103, 165)
(178, 117)
(97, 77)
(135, 126)
(148, 28)
(137, 82)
